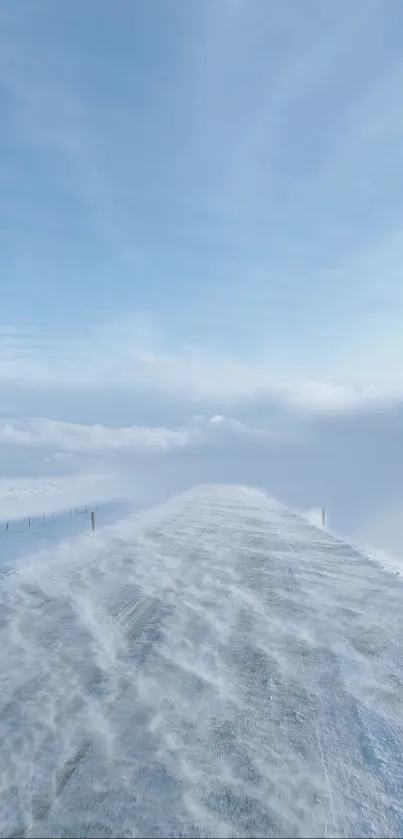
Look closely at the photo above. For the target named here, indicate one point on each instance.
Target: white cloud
(71, 437)
(199, 373)
(68, 439)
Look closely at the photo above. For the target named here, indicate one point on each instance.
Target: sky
(201, 248)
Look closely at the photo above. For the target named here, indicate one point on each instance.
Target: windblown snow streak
(221, 668)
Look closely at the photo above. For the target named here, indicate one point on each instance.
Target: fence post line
(72, 510)
(323, 517)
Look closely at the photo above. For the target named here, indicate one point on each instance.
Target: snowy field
(215, 667)
(20, 536)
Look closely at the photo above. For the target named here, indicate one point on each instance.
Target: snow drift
(217, 667)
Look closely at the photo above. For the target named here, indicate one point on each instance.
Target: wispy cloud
(275, 183)
(197, 372)
(74, 438)
(79, 438)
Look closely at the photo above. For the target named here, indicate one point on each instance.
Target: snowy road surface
(217, 668)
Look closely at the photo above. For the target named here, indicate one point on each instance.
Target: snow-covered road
(218, 667)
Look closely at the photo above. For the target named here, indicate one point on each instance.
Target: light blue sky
(227, 175)
(201, 213)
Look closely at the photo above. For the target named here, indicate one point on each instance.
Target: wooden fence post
(93, 522)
